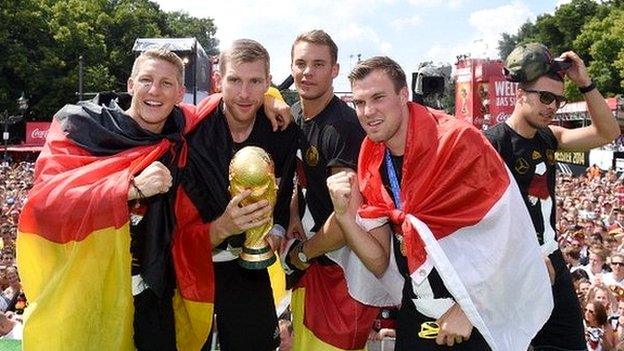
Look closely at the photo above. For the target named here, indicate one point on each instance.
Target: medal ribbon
(394, 181)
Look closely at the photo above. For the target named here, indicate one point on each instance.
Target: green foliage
(604, 40)
(180, 24)
(42, 40)
(595, 31)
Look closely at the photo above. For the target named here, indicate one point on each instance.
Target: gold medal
(402, 247)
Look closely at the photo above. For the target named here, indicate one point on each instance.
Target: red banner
(502, 99)
(36, 132)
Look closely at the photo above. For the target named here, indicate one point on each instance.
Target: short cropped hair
(244, 51)
(159, 54)
(384, 63)
(318, 37)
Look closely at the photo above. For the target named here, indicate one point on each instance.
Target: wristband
(139, 192)
(429, 330)
(587, 89)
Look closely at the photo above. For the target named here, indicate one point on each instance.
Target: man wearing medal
(437, 184)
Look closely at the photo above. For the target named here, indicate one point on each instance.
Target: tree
(591, 29)
(180, 25)
(509, 41)
(42, 40)
(604, 41)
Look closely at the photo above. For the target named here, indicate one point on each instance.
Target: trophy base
(258, 258)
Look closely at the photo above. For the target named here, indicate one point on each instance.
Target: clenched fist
(154, 179)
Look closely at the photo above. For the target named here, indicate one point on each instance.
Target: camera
(561, 64)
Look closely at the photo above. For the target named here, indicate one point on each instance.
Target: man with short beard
(244, 306)
(527, 142)
(423, 203)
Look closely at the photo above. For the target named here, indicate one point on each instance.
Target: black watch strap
(587, 89)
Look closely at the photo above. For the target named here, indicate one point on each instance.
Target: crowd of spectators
(15, 180)
(616, 145)
(590, 222)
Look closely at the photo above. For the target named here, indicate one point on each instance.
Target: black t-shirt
(141, 221)
(532, 163)
(332, 139)
(211, 148)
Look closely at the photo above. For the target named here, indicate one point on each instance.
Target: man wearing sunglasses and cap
(527, 142)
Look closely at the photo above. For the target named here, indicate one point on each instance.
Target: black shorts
(408, 326)
(564, 329)
(246, 317)
(154, 326)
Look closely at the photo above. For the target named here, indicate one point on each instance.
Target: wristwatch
(587, 89)
(300, 254)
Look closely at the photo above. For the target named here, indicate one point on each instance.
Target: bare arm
(330, 236)
(603, 129)
(277, 110)
(373, 247)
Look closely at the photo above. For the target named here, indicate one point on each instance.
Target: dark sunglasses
(618, 263)
(546, 97)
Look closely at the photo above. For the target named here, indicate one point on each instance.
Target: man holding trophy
(242, 200)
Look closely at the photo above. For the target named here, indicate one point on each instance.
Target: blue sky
(409, 31)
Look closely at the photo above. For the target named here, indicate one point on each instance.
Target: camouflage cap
(528, 62)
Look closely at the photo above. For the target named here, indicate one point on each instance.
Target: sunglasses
(618, 263)
(546, 97)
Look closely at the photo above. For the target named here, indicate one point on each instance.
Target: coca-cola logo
(39, 133)
(502, 116)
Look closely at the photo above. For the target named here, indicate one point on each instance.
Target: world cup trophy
(252, 168)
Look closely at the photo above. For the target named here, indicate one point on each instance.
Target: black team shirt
(532, 163)
(211, 148)
(330, 139)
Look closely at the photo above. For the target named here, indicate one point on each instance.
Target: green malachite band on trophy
(256, 258)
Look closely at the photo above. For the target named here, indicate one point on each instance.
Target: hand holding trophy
(252, 168)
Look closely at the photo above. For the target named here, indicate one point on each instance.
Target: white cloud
(492, 23)
(562, 2)
(365, 27)
(406, 23)
(453, 4)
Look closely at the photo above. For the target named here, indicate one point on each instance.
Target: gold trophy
(252, 168)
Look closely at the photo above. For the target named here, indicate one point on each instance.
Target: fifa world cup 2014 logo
(252, 168)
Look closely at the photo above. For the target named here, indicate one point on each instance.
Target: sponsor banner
(36, 132)
(502, 99)
(573, 157)
(463, 104)
(618, 161)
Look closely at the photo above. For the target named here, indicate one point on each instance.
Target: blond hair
(244, 51)
(159, 54)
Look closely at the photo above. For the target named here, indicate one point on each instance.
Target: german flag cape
(463, 214)
(74, 239)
